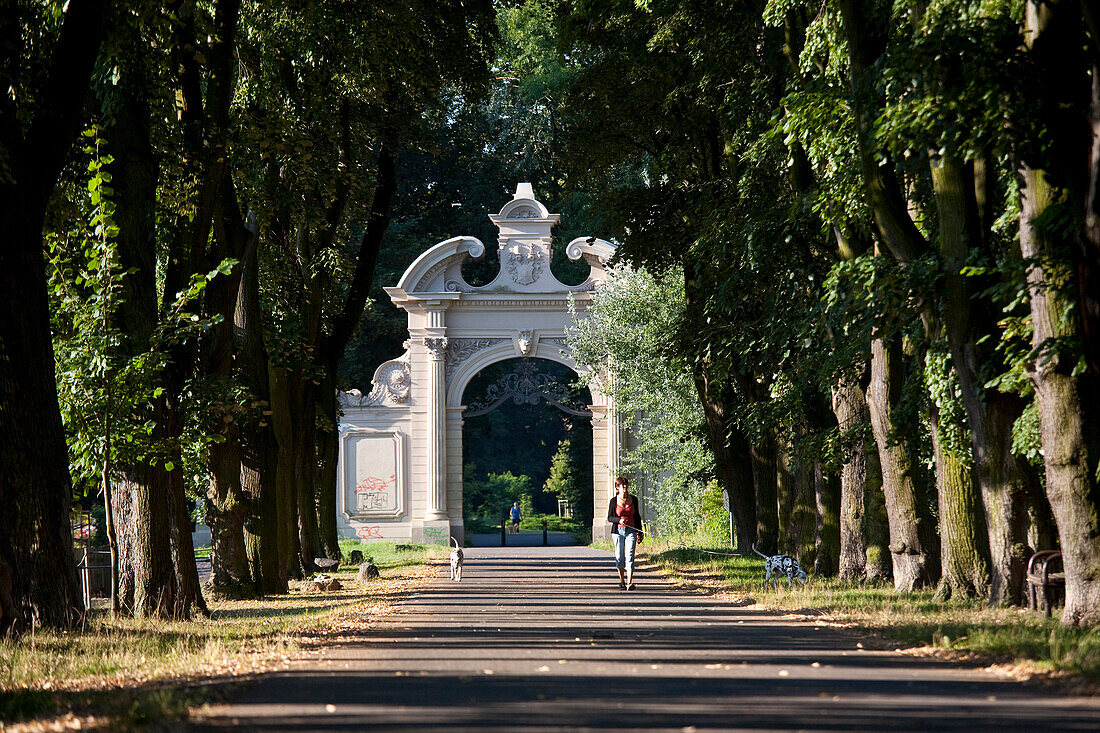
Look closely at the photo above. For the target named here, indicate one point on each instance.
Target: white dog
(781, 564)
(456, 561)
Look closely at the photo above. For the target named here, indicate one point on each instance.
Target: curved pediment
(524, 250)
(430, 272)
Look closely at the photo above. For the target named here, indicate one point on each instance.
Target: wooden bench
(1041, 579)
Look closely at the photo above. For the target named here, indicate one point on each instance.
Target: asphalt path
(542, 639)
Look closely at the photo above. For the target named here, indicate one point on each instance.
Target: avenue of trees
(857, 286)
(877, 223)
(195, 196)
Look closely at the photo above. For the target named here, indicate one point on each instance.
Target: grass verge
(127, 673)
(1020, 641)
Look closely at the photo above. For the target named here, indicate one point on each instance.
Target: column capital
(436, 346)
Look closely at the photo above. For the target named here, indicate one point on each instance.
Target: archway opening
(527, 440)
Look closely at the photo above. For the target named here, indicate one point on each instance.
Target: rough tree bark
(1068, 402)
(797, 503)
(765, 482)
(160, 574)
(37, 570)
(827, 528)
(965, 569)
(289, 548)
(259, 458)
(913, 550)
(862, 524)
(990, 414)
(853, 474)
(228, 504)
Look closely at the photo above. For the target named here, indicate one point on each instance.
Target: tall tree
(1057, 229)
(46, 61)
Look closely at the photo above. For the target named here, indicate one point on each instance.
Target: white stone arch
(460, 379)
(400, 473)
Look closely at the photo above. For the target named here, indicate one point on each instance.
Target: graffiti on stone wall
(373, 532)
(372, 478)
(374, 494)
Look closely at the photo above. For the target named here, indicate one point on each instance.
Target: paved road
(523, 539)
(542, 639)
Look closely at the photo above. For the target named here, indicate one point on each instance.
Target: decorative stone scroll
(525, 385)
(391, 384)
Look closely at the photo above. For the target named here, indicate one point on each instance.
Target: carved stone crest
(524, 212)
(526, 263)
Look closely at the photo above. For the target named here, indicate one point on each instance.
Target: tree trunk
(1068, 402)
(146, 529)
(226, 512)
(797, 505)
(912, 538)
(1042, 533)
(285, 495)
(965, 571)
(35, 486)
(189, 591)
(876, 528)
(37, 567)
(732, 457)
(135, 176)
(1005, 499)
(990, 414)
(331, 348)
(123, 522)
(304, 431)
(1086, 254)
(827, 528)
(1068, 429)
(848, 407)
(327, 456)
(765, 481)
(259, 460)
(228, 504)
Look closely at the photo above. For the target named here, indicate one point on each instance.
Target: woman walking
(626, 529)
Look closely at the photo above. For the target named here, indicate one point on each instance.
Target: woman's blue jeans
(626, 541)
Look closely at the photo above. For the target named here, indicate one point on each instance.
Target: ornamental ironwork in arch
(526, 385)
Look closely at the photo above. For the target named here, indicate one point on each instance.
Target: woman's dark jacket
(614, 518)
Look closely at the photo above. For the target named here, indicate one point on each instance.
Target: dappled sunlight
(916, 619)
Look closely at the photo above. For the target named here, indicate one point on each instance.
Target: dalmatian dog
(778, 565)
(456, 561)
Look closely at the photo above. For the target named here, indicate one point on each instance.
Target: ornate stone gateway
(400, 473)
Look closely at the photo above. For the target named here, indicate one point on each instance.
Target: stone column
(601, 478)
(437, 430)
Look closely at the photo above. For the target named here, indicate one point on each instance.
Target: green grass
(917, 619)
(386, 555)
(135, 671)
